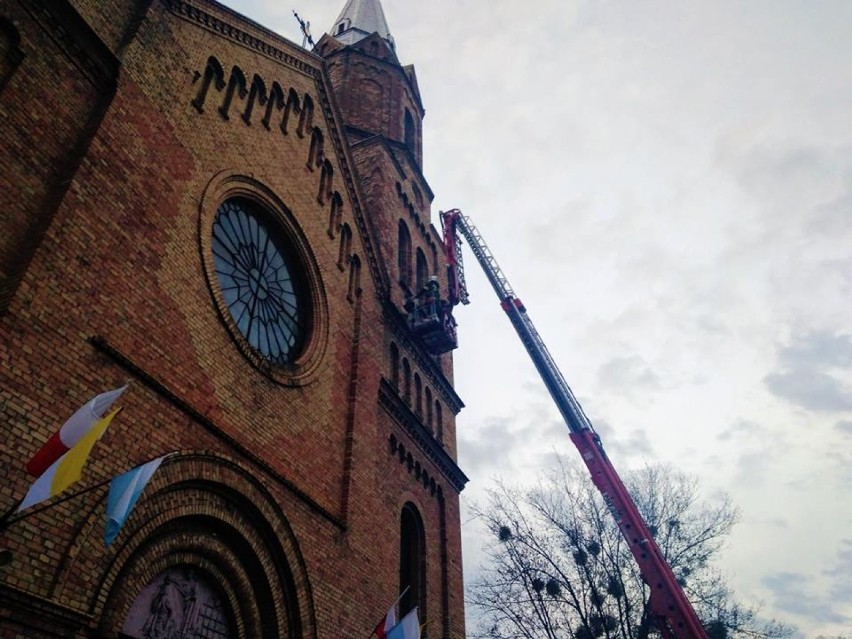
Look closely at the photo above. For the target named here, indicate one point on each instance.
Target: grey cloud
(489, 451)
(790, 593)
(636, 445)
(504, 442)
(628, 374)
(819, 349)
(841, 573)
(833, 217)
(788, 176)
(810, 389)
(844, 427)
(805, 378)
(741, 429)
(752, 467)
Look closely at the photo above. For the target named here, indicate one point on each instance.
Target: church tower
(383, 114)
(378, 96)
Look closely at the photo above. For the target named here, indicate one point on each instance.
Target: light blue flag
(124, 492)
(408, 628)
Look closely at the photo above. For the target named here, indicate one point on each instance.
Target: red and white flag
(73, 431)
(389, 620)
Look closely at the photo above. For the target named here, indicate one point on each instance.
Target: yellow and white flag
(67, 469)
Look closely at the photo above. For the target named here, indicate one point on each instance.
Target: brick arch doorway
(209, 525)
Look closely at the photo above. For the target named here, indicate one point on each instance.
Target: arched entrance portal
(207, 554)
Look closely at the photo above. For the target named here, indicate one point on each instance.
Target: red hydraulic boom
(675, 618)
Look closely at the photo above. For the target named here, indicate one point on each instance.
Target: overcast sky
(668, 187)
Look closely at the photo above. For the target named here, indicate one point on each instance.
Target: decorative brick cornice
(399, 411)
(207, 20)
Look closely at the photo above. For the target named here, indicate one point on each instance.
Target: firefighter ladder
(673, 614)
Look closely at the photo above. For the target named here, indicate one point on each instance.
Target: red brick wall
(110, 20)
(298, 464)
(43, 103)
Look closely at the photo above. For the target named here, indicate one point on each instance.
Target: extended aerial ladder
(674, 616)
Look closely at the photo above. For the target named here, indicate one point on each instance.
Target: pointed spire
(359, 19)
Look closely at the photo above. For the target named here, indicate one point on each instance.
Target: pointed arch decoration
(236, 84)
(213, 74)
(257, 93)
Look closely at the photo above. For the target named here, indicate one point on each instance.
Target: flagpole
(7, 519)
(4, 518)
(393, 605)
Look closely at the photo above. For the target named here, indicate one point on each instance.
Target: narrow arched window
(354, 278)
(428, 408)
(345, 247)
(335, 214)
(418, 394)
(410, 131)
(439, 421)
(406, 380)
(404, 255)
(394, 357)
(412, 561)
(422, 269)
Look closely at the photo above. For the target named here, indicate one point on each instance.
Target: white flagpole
(401, 595)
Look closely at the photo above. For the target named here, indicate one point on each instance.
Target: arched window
(354, 278)
(406, 379)
(412, 561)
(410, 131)
(422, 270)
(404, 255)
(418, 394)
(345, 247)
(428, 408)
(439, 421)
(261, 280)
(394, 357)
(335, 213)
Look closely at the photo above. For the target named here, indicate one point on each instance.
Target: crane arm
(674, 615)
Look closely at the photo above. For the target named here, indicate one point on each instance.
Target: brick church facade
(239, 228)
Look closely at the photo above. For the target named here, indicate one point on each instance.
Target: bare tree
(558, 567)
